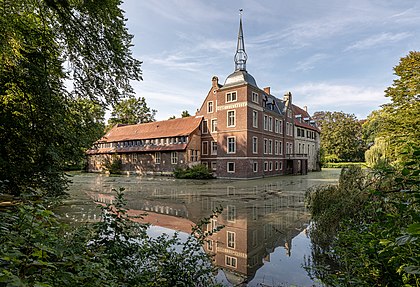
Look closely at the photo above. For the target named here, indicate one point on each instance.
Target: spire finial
(240, 55)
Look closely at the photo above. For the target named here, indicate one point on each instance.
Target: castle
(240, 131)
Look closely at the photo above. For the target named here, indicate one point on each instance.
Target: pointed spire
(240, 55)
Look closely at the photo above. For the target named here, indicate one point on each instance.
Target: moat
(265, 240)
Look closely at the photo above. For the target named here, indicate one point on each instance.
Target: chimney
(267, 90)
(215, 82)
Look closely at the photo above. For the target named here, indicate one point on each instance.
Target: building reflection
(256, 221)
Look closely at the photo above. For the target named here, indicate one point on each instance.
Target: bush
(199, 171)
(113, 165)
(367, 228)
(342, 164)
(36, 249)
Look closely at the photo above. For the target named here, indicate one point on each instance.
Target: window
(205, 147)
(254, 145)
(265, 146)
(231, 97)
(231, 145)
(281, 126)
(157, 157)
(213, 165)
(230, 261)
(231, 118)
(270, 124)
(213, 125)
(214, 148)
(210, 245)
(265, 126)
(276, 147)
(270, 146)
(270, 164)
(231, 213)
(255, 166)
(174, 157)
(255, 97)
(231, 239)
(276, 126)
(265, 166)
(231, 167)
(210, 107)
(281, 148)
(289, 113)
(276, 165)
(205, 128)
(281, 165)
(255, 119)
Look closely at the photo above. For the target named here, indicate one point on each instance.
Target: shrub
(199, 171)
(113, 165)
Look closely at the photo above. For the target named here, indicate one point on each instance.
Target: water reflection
(260, 216)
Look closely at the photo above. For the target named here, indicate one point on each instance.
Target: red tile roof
(299, 111)
(161, 129)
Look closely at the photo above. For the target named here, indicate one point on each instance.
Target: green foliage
(341, 137)
(367, 228)
(113, 164)
(342, 164)
(45, 44)
(397, 122)
(36, 249)
(199, 171)
(185, 114)
(131, 111)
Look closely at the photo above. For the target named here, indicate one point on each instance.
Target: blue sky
(332, 55)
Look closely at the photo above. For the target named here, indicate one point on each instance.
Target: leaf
(415, 270)
(414, 229)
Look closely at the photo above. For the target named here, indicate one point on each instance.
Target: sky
(331, 55)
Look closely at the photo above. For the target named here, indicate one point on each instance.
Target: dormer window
(231, 97)
(255, 97)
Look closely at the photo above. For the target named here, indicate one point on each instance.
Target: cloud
(309, 63)
(378, 40)
(337, 97)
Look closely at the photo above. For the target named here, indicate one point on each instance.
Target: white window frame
(227, 167)
(254, 97)
(158, 157)
(210, 107)
(255, 119)
(228, 144)
(265, 146)
(231, 213)
(270, 146)
(231, 261)
(270, 166)
(270, 124)
(174, 157)
(228, 118)
(255, 166)
(265, 122)
(254, 144)
(213, 165)
(229, 97)
(230, 239)
(266, 166)
(276, 147)
(213, 150)
(280, 148)
(213, 125)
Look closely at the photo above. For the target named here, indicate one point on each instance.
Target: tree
(185, 114)
(341, 137)
(399, 119)
(132, 111)
(41, 121)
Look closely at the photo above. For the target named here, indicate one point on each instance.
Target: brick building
(155, 148)
(244, 132)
